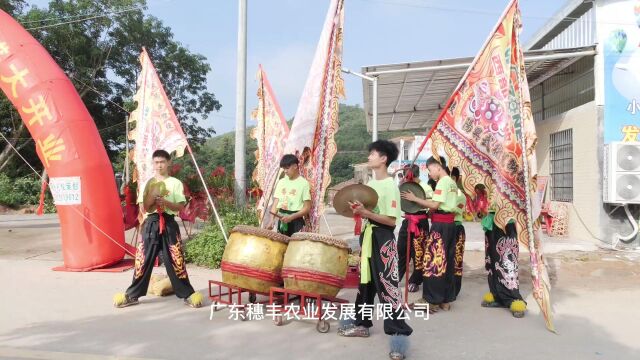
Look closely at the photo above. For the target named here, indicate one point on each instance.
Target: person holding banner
(501, 263)
(438, 265)
(162, 198)
(379, 254)
(415, 229)
(460, 234)
(292, 198)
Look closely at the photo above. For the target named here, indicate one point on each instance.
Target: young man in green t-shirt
(460, 233)
(162, 198)
(438, 287)
(379, 254)
(414, 230)
(292, 198)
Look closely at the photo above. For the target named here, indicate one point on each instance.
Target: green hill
(352, 139)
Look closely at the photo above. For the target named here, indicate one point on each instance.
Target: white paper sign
(66, 190)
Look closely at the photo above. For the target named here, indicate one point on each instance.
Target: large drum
(253, 258)
(315, 263)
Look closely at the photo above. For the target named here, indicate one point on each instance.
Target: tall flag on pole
(271, 134)
(157, 126)
(486, 130)
(316, 120)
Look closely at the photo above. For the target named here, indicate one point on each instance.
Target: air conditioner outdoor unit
(621, 183)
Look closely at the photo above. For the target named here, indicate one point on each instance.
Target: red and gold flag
(271, 134)
(487, 131)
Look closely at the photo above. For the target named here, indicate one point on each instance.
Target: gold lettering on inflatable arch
(14, 79)
(39, 109)
(51, 148)
(4, 48)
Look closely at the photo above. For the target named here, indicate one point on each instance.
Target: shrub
(25, 191)
(207, 247)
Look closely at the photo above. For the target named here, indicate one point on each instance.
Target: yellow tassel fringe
(518, 305)
(488, 297)
(196, 298)
(119, 299)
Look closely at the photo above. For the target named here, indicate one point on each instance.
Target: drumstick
(276, 215)
(327, 223)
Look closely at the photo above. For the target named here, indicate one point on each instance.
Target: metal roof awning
(411, 95)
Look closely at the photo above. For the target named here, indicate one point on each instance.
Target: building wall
(573, 26)
(585, 210)
(568, 89)
(581, 32)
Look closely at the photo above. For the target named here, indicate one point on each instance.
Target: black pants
(501, 262)
(383, 266)
(147, 251)
(460, 239)
(439, 264)
(417, 250)
(292, 227)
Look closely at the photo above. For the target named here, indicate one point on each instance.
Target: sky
(282, 36)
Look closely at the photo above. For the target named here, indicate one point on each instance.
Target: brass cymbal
(356, 192)
(409, 206)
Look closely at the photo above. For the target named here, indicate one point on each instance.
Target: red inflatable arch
(69, 146)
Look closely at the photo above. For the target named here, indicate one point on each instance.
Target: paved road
(59, 315)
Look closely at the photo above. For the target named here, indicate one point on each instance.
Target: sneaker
(423, 304)
(354, 331)
(413, 287)
(398, 346)
(123, 300)
(491, 304)
(194, 301)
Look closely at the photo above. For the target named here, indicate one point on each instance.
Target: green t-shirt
(446, 194)
(462, 202)
(388, 197)
(427, 189)
(292, 194)
(175, 194)
(488, 221)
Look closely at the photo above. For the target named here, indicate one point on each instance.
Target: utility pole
(241, 98)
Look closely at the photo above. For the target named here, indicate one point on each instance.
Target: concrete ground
(58, 315)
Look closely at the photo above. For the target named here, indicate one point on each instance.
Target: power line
(99, 93)
(84, 19)
(76, 16)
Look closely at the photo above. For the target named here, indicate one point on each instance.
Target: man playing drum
(292, 198)
(440, 249)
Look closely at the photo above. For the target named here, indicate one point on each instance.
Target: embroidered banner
(487, 129)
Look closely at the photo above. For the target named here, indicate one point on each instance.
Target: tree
(12, 7)
(100, 56)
